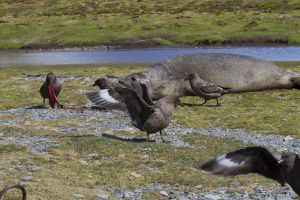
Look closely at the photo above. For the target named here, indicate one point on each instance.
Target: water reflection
(152, 55)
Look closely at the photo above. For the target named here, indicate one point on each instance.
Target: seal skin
(237, 72)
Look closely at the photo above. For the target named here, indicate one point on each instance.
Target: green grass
(85, 22)
(68, 169)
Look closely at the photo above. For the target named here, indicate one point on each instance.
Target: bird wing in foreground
(244, 161)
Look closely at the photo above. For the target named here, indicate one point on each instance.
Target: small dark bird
(145, 115)
(103, 83)
(17, 186)
(51, 89)
(258, 160)
(205, 89)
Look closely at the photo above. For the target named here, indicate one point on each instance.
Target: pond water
(146, 56)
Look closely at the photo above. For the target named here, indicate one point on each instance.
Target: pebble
(128, 194)
(288, 138)
(34, 169)
(23, 183)
(164, 193)
(26, 178)
(136, 175)
(199, 187)
(78, 196)
(212, 197)
(102, 196)
(283, 197)
(145, 168)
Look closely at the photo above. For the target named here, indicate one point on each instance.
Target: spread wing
(106, 99)
(243, 161)
(137, 108)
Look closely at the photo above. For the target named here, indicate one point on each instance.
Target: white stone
(212, 197)
(78, 196)
(288, 138)
(26, 178)
(164, 193)
(102, 196)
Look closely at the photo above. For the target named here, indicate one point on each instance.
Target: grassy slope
(87, 22)
(65, 170)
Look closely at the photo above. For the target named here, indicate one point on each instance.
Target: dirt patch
(55, 46)
(135, 43)
(142, 42)
(131, 42)
(257, 40)
(154, 41)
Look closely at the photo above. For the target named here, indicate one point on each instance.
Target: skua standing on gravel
(258, 160)
(145, 115)
(51, 89)
(204, 89)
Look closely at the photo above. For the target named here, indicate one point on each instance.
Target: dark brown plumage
(258, 160)
(205, 89)
(103, 83)
(50, 79)
(145, 115)
(17, 186)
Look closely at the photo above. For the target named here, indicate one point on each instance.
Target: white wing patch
(105, 95)
(222, 160)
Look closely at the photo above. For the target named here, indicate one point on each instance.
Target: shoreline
(123, 47)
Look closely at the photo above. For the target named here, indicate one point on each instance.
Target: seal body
(237, 72)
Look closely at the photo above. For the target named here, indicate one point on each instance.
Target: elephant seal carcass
(237, 72)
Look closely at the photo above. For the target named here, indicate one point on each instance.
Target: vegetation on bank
(72, 167)
(50, 24)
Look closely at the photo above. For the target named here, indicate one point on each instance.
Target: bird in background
(205, 89)
(146, 115)
(258, 160)
(50, 89)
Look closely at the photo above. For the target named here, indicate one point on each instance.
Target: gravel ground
(97, 123)
(179, 192)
